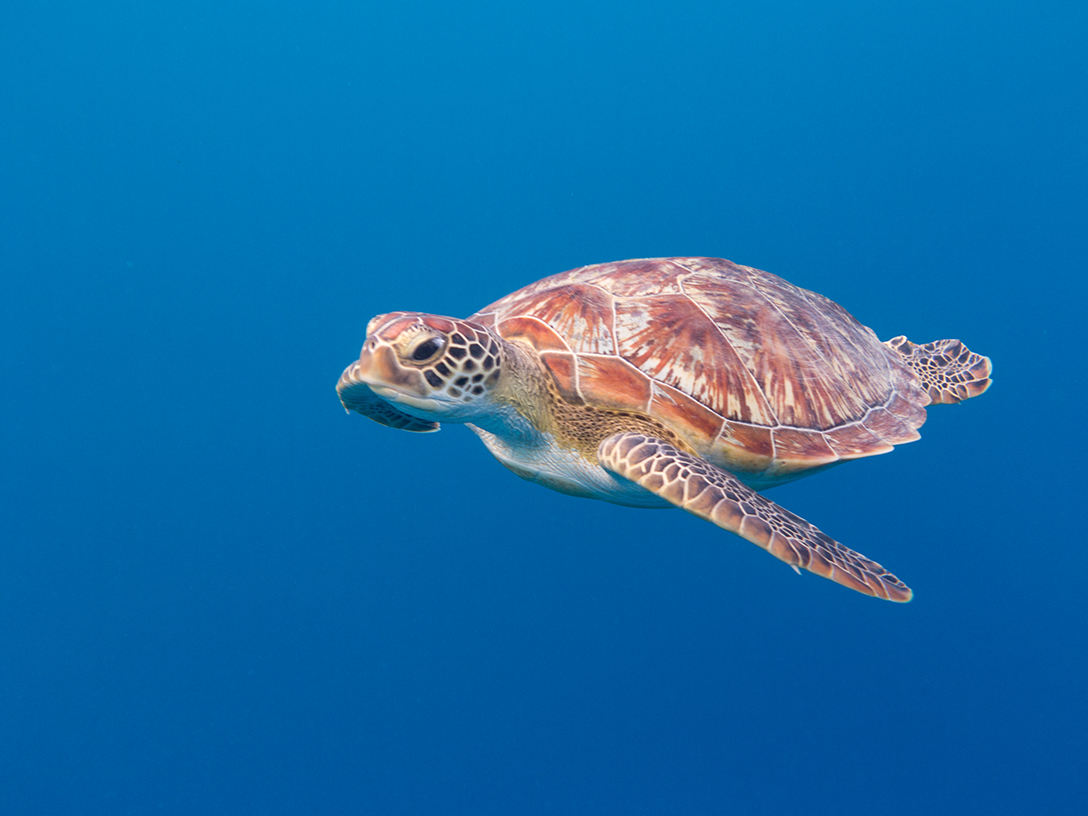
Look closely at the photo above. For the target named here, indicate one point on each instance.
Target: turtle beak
(377, 371)
(353, 389)
(356, 394)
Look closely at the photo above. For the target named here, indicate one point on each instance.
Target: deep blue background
(219, 594)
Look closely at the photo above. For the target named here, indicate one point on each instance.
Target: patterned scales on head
(689, 382)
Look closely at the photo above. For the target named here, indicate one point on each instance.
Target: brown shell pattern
(748, 368)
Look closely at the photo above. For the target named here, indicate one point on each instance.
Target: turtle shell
(759, 376)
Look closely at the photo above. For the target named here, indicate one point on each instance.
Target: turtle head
(418, 369)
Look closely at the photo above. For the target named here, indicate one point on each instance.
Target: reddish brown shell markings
(752, 371)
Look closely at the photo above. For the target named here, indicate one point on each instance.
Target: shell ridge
(544, 323)
(680, 262)
(752, 381)
(829, 364)
(860, 423)
(850, 382)
(577, 376)
(804, 337)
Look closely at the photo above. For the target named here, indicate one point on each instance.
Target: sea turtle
(687, 382)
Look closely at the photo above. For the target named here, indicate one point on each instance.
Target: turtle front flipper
(694, 485)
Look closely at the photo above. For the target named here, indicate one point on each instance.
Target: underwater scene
(255, 255)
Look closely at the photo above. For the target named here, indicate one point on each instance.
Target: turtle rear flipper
(947, 369)
(717, 496)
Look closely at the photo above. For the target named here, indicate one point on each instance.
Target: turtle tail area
(947, 369)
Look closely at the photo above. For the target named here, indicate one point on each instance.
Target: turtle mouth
(385, 392)
(406, 401)
(356, 389)
(423, 407)
(377, 374)
(378, 403)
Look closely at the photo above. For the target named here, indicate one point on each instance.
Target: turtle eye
(428, 349)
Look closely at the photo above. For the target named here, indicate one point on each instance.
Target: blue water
(220, 594)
